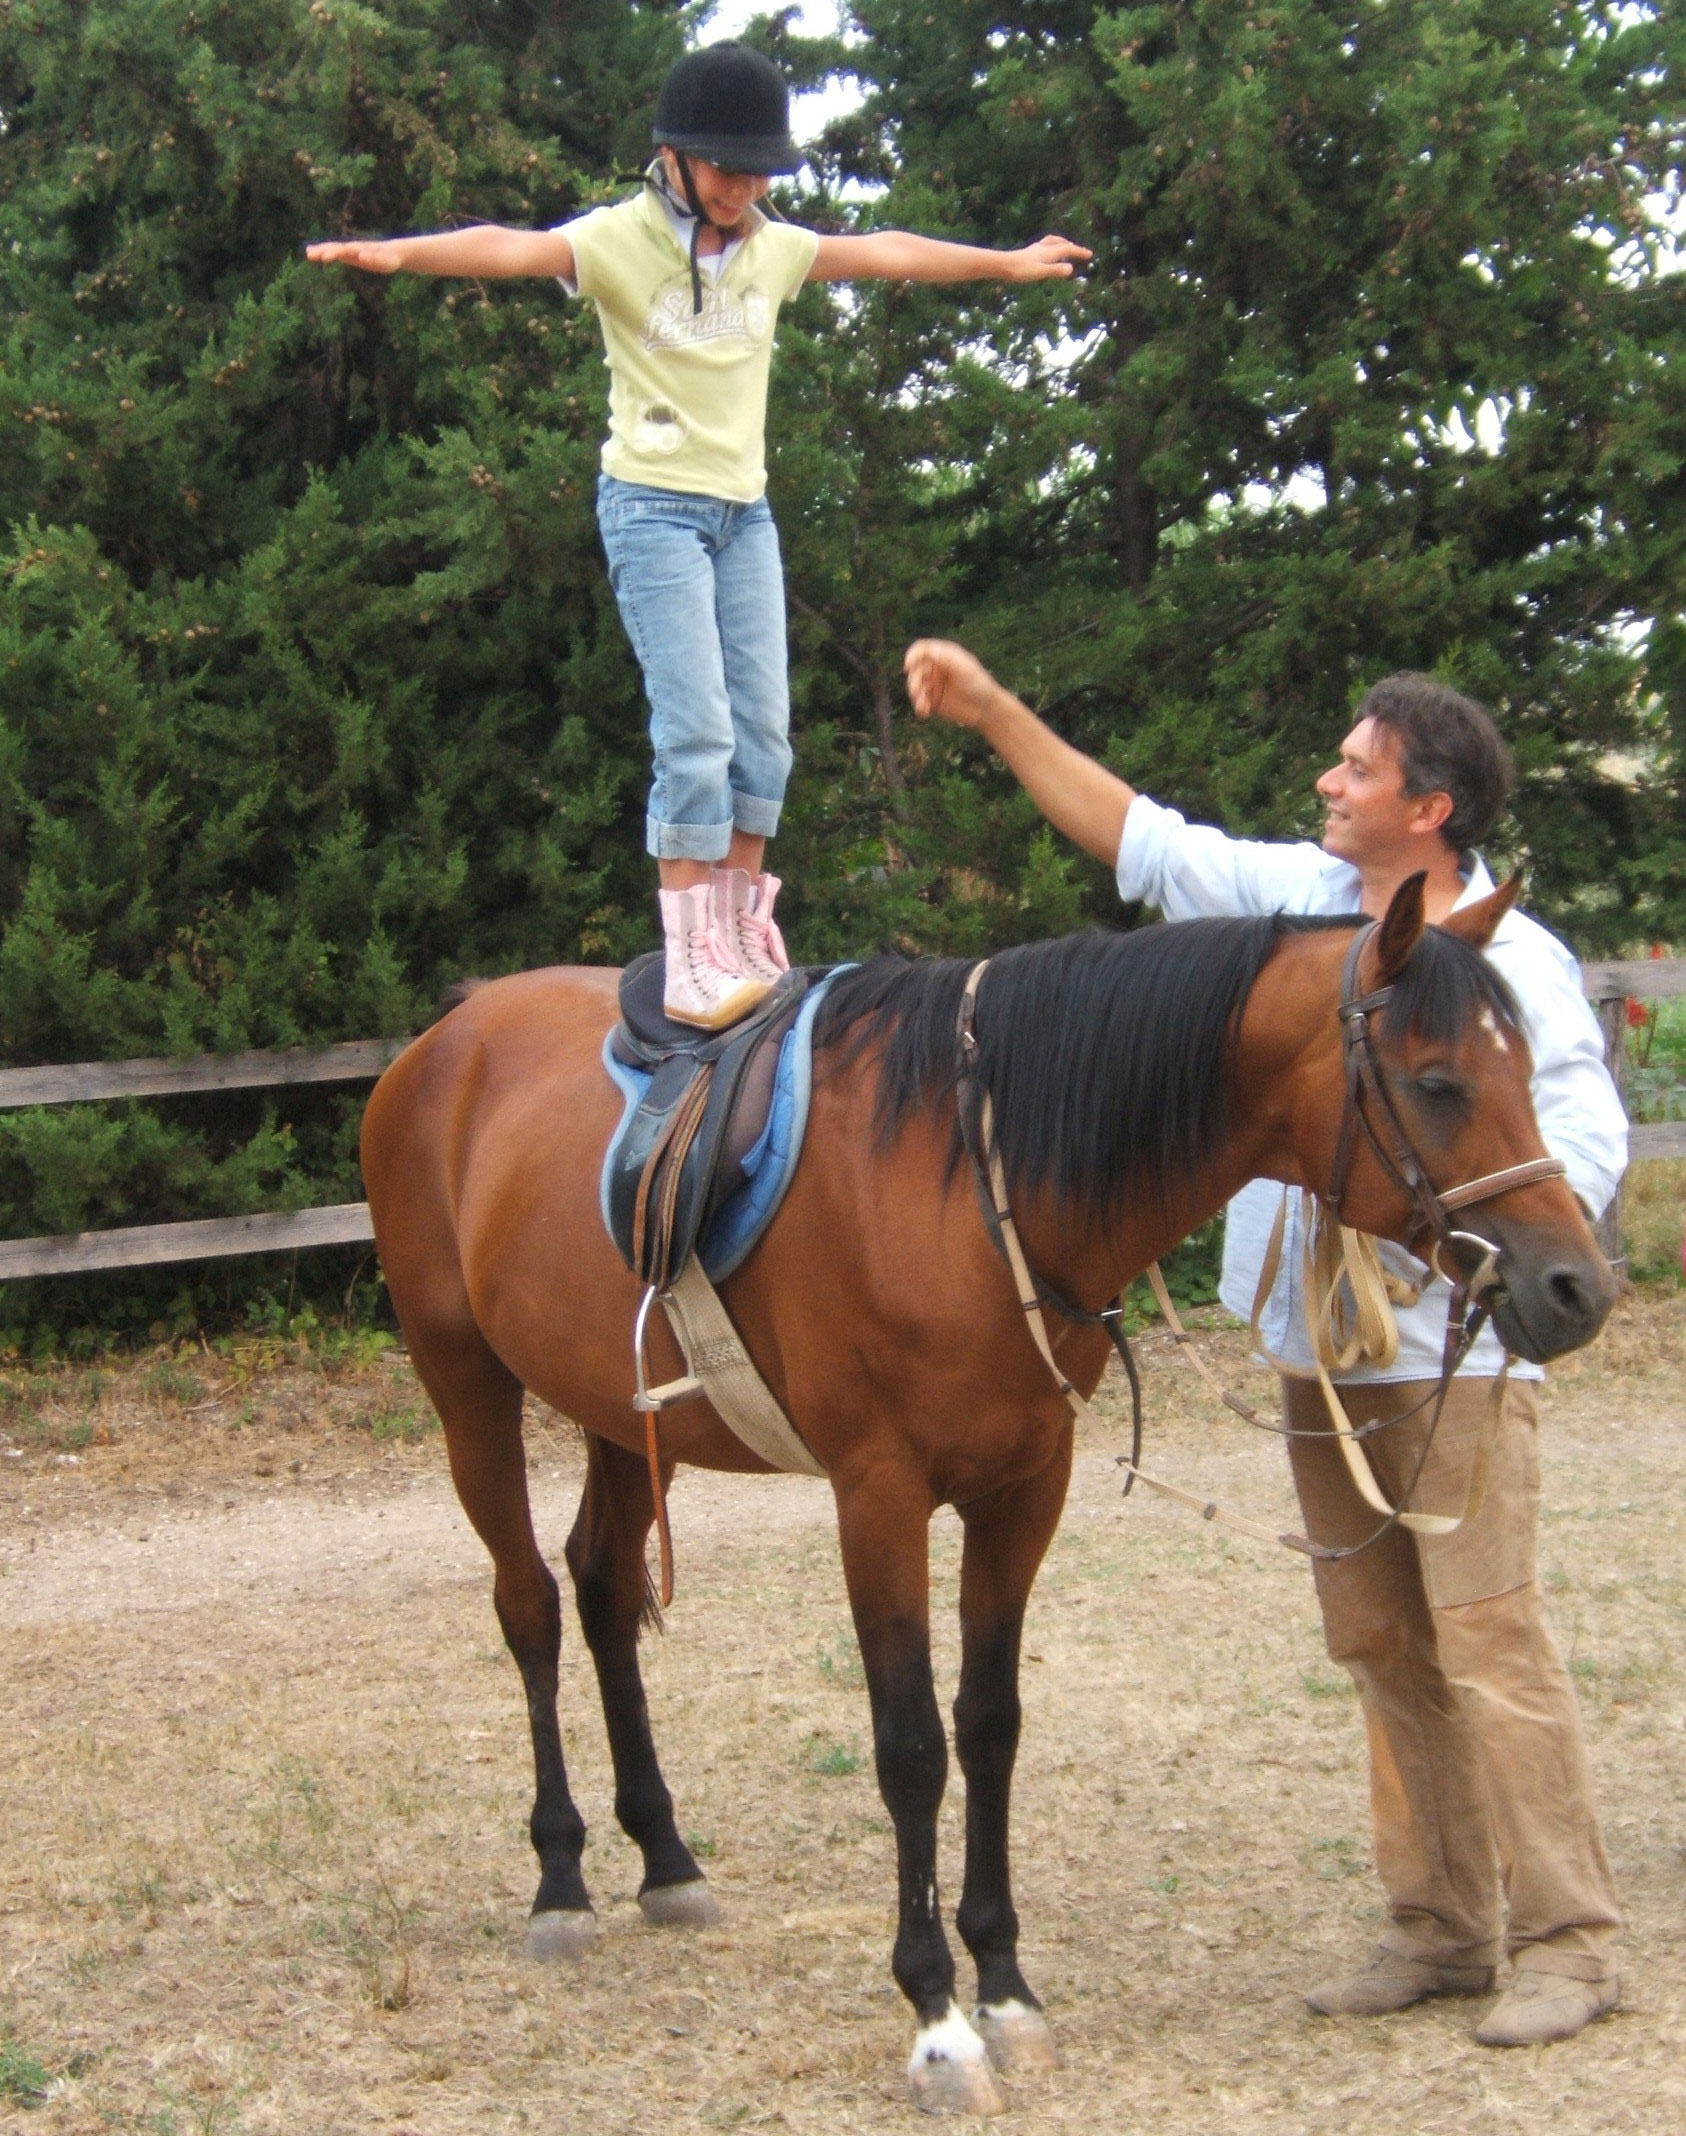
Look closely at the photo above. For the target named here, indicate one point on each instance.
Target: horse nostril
(1570, 1296)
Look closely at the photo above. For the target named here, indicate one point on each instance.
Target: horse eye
(1438, 1088)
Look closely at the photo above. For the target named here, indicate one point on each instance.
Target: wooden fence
(1608, 986)
(145, 1245)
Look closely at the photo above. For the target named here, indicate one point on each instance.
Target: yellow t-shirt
(687, 390)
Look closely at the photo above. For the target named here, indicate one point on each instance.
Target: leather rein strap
(1467, 1308)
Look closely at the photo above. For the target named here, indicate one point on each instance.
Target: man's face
(724, 195)
(1371, 819)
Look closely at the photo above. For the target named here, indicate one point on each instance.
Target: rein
(1468, 1307)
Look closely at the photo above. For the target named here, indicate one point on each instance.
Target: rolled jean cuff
(687, 841)
(753, 816)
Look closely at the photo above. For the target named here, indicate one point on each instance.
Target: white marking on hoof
(557, 1934)
(690, 1905)
(949, 2072)
(1016, 2037)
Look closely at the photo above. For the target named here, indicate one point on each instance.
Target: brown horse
(1136, 1080)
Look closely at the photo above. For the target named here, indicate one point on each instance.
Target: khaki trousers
(1485, 1833)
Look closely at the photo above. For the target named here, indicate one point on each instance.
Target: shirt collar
(1477, 881)
(666, 210)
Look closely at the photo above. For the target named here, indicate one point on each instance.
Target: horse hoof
(950, 2073)
(688, 1905)
(556, 1935)
(1016, 2037)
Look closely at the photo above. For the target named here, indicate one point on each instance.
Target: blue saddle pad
(768, 1163)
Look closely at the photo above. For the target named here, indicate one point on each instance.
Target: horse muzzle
(1550, 1300)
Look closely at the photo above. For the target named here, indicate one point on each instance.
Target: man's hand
(947, 682)
(1078, 796)
(1048, 257)
(382, 255)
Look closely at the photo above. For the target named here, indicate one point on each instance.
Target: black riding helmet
(730, 106)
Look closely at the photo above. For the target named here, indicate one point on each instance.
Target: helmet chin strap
(698, 220)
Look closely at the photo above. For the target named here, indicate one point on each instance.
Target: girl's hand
(382, 255)
(1048, 257)
(946, 681)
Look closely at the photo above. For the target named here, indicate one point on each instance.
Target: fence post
(1612, 1017)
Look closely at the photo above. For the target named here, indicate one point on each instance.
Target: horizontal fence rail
(1656, 1138)
(75, 1253)
(148, 1245)
(200, 1071)
(1610, 986)
(1635, 978)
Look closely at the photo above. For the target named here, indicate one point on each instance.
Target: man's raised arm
(1078, 796)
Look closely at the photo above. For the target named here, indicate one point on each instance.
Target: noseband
(1368, 1100)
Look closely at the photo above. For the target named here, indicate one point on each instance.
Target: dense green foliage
(315, 697)
(1326, 235)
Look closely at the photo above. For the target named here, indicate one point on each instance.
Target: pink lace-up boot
(745, 914)
(702, 983)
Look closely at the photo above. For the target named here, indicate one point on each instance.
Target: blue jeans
(701, 592)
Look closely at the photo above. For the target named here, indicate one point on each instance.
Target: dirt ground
(263, 1864)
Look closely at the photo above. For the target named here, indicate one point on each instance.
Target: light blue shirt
(1190, 871)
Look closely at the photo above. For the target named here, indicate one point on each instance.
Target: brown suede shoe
(1391, 1981)
(1538, 2007)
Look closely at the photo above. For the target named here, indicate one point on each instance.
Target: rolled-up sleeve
(585, 234)
(1191, 871)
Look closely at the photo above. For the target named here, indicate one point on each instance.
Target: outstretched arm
(1078, 796)
(486, 250)
(903, 256)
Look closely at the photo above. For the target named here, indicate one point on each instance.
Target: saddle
(681, 1153)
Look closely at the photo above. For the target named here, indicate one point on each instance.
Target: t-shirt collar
(675, 214)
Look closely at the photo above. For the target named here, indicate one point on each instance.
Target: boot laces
(706, 955)
(761, 940)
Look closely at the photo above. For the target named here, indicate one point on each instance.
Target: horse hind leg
(611, 1589)
(479, 1403)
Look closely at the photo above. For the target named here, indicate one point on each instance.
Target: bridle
(1367, 1099)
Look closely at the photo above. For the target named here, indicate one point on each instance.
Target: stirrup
(650, 1399)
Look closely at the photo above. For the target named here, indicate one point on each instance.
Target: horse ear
(1475, 923)
(1400, 932)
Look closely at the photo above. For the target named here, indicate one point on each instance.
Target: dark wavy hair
(1447, 744)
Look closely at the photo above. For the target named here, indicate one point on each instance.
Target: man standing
(1485, 1834)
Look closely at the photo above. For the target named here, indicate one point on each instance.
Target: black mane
(1108, 1056)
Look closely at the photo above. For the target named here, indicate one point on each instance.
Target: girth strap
(721, 1368)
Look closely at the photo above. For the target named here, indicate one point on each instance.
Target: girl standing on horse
(687, 277)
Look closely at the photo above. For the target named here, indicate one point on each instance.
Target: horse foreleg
(611, 1588)
(885, 1544)
(1006, 1536)
(479, 1404)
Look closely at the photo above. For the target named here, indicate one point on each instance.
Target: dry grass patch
(264, 1865)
